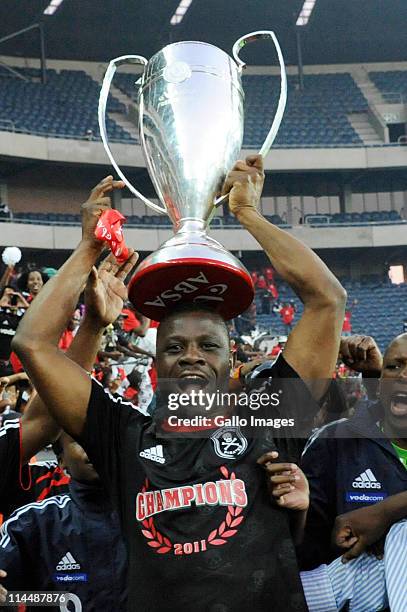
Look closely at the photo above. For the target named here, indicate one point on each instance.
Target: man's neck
(394, 437)
(400, 442)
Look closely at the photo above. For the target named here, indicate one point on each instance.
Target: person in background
(21, 438)
(245, 323)
(254, 276)
(31, 282)
(10, 394)
(70, 332)
(116, 380)
(7, 278)
(358, 582)
(347, 323)
(134, 322)
(13, 306)
(351, 463)
(5, 211)
(132, 393)
(131, 322)
(6, 412)
(140, 345)
(263, 291)
(269, 274)
(261, 282)
(70, 543)
(347, 320)
(287, 313)
(271, 286)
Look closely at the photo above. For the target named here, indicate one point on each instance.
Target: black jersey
(41, 480)
(9, 321)
(201, 531)
(24, 484)
(9, 460)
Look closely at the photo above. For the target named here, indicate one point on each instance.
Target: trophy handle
(239, 44)
(104, 93)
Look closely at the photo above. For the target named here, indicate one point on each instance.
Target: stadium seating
(380, 310)
(132, 220)
(66, 106)
(375, 216)
(392, 84)
(315, 116)
(379, 217)
(127, 84)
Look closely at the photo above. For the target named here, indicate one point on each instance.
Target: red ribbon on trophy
(109, 229)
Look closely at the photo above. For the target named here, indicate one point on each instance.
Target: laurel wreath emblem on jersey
(227, 529)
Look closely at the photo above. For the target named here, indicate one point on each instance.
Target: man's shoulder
(99, 394)
(270, 370)
(328, 432)
(35, 511)
(10, 432)
(357, 426)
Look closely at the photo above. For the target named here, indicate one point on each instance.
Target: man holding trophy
(200, 529)
(222, 546)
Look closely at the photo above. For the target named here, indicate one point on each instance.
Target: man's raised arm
(39, 428)
(62, 384)
(312, 347)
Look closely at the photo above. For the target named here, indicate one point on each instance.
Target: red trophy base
(157, 287)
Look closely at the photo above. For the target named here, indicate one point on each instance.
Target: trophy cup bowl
(191, 119)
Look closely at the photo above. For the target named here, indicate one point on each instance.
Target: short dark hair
(401, 336)
(191, 307)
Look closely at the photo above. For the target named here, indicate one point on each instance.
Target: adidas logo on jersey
(67, 563)
(155, 453)
(366, 480)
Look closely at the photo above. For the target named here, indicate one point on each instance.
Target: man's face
(193, 349)
(76, 461)
(393, 386)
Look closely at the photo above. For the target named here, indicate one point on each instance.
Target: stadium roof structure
(338, 32)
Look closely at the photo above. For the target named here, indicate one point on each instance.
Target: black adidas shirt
(9, 321)
(201, 531)
(9, 461)
(36, 482)
(41, 481)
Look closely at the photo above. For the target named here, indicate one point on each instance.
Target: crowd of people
(124, 362)
(294, 499)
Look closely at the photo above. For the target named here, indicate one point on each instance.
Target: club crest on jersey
(229, 442)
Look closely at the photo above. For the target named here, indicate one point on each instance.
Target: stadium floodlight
(180, 11)
(305, 12)
(52, 7)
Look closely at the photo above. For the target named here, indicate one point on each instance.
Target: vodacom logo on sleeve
(229, 492)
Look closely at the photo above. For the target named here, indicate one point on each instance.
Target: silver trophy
(191, 121)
